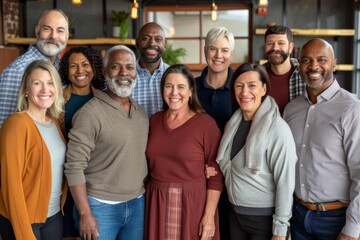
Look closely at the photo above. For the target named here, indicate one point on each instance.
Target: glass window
(186, 27)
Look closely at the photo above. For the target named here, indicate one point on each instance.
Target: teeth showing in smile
(44, 97)
(314, 75)
(246, 100)
(124, 82)
(80, 77)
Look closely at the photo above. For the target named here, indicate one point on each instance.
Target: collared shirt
(327, 137)
(10, 80)
(296, 84)
(216, 102)
(147, 90)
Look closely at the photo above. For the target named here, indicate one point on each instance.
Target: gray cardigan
(106, 149)
(272, 183)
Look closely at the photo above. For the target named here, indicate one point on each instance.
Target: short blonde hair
(57, 107)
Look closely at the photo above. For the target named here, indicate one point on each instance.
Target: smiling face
(219, 55)
(52, 33)
(151, 43)
(177, 92)
(121, 73)
(80, 73)
(317, 64)
(40, 90)
(249, 91)
(278, 48)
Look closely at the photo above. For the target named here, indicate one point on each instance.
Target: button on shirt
(10, 80)
(147, 91)
(327, 137)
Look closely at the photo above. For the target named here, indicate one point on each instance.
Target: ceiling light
(76, 2)
(134, 10)
(213, 12)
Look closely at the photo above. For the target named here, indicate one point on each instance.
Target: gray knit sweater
(106, 149)
(273, 184)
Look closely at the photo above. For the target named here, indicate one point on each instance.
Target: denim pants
(118, 221)
(306, 224)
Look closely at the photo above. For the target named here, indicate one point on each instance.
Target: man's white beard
(120, 90)
(49, 51)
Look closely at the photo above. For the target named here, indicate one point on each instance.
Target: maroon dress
(176, 191)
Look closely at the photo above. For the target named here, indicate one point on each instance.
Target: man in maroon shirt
(285, 80)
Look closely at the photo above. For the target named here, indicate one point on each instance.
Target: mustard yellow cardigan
(25, 172)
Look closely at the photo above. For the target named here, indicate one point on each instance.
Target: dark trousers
(248, 227)
(224, 208)
(308, 225)
(50, 230)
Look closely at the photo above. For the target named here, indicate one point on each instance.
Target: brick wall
(11, 18)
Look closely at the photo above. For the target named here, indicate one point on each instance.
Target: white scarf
(261, 133)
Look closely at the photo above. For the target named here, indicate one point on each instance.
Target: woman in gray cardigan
(257, 157)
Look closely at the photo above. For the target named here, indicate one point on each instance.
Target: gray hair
(116, 48)
(46, 12)
(217, 33)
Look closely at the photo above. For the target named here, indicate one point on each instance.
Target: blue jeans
(306, 224)
(118, 221)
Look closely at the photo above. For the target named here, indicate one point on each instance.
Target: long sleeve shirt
(10, 80)
(147, 90)
(106, 149)
(327, 138)
(25, 175)
(273, 184)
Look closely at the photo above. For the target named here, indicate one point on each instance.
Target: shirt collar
(328, 93)
(40, 55)
(162, 67)
(204, 83)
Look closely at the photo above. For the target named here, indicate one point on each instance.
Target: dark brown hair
(247, 67)
(194, 104)
(280, 29)
(96, 63)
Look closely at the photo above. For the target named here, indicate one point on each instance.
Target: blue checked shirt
(10, 80)
(147, 91)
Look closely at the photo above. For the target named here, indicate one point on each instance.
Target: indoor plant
(120, 20)
(172, 56)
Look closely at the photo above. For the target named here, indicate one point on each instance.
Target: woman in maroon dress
(180, 202)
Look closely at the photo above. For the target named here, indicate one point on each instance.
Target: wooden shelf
(94, 41)
(315, 32)
(339, 67)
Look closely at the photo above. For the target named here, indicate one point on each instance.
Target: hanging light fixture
(262, 7)
(263, 3)
(134, 10)
(213, 11)
(76, 2)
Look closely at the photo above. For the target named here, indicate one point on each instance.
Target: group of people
(126, 148)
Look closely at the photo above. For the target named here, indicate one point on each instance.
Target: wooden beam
(315, 32)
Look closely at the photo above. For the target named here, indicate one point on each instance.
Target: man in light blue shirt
(150, 67)
(52, 33)
(325, 125)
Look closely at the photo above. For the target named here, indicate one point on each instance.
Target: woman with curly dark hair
(81, 70)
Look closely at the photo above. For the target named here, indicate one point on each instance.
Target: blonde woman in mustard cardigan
(32, 155)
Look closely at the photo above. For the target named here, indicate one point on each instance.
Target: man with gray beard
(283, 71)
(52, 34)
(106, 164)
